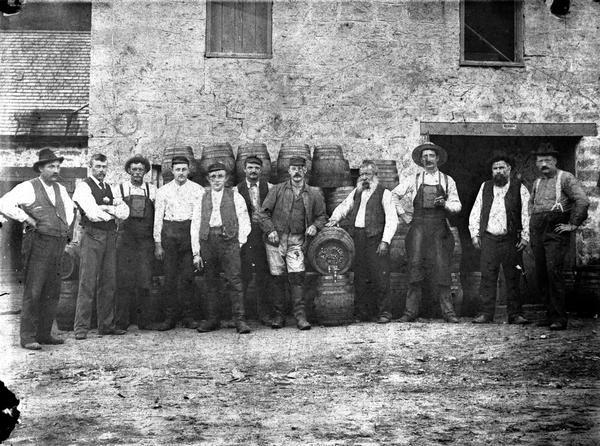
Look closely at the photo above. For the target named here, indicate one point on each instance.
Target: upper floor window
(491, 32)
(238, 28)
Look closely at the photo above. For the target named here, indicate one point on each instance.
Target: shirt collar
(97, 181)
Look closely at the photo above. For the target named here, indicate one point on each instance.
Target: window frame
(519, 43)
(220, 54)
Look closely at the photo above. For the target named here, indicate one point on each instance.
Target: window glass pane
(489, 31)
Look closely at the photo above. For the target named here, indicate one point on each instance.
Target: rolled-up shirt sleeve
(344, 208)
(391, 218)
(524, 213)
(453, 202)
(195, 228)
(475, 216)
(85, 200)
(402, 199)
(159, 213)
(241, 210)
(21, 195)
(572, 188)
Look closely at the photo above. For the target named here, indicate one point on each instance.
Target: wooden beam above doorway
(542, 129)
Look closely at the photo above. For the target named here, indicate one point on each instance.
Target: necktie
(102, 186)
(254, 195)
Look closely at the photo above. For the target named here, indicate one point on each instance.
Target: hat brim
(553, 153)
(37, 164)
(131, 161)
(417, 151)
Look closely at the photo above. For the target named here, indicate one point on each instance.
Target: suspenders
(557, 205)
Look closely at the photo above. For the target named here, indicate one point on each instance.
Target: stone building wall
(362, 74)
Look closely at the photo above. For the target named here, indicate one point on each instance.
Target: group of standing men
(261, 229)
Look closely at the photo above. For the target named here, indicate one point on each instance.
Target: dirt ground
(425, 383)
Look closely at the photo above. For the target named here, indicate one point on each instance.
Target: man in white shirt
(373, 223)
(135, 246)
(98, 267)
(47, 211)
(220, 226)
(253, 254)
(424, 201)
(175, 203)
(499, 226)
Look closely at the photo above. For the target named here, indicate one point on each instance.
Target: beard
(500, 180)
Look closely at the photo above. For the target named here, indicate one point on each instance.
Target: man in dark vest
(98, 266)
(254, 189)
(47, 211)
(135, 246)
(291, 212)
(425, 200)
(499, 226)
(220, 227)
(373, 223)
(558, 206)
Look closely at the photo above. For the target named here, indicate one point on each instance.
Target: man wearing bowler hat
(291, 212)
(424, 200)
(135, 246)
(558, 206)
(253, 254)
(98, 266)
(45, 208)
(172, 221)
(220, 226)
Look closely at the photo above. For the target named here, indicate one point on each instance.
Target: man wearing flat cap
(172, 222)
(253, 254)
(558, 206)
(499, 226)
(424, 200)
(220, 227)
(98, 266)
(45, 208)
(135, 246)
(291, 212)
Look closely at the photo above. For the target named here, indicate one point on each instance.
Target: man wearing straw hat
(47, 211)
(98, 265)
(373, 224)
(220, 227)
(172, 221)
(558, 206)
(253, 254)
(135, 246)
(291, 212)
(424, 200)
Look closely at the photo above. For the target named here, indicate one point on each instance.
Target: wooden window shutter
(238, 28)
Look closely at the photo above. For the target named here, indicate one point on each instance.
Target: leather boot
(413, 300)
(447, 305)
(297, 292)
(168, 324)
(278, 299)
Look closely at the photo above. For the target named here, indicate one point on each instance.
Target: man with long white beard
(499, 226)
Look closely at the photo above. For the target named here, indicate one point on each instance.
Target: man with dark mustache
(291, 212)
(499, 226)
(429, 242)
(373, 222)
(135, 246)
(47, 211)
(98, 265)
(558, 206)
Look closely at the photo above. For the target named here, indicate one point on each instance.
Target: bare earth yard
(423, 383)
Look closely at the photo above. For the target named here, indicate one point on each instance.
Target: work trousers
(220, 255)
(134, 277)
(254, 262)
(496, 251)
(178, 263)
(42, 286)
(549, 250)
(370, 268)
(97, 276)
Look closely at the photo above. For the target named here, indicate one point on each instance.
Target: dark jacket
(275, 210)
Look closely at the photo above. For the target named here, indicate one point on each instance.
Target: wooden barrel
(69, 263)
(534, 312)
(587, 288)
(334, 300)
(218, 153)
(260, 151)
(333, 197)
(457, 254)
(168, 155)
(387, 173)
(329, 168)
(331, 250)
(67, 303)
(398, 290)
(398, 259)
(283, 160)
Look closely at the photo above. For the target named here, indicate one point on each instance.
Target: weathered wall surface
(359, 73)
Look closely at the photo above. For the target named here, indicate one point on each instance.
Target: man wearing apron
(431, 195)
(135, 247)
